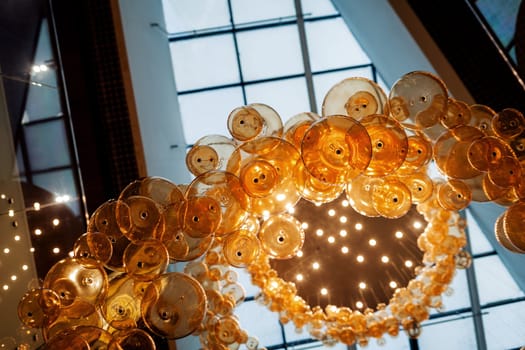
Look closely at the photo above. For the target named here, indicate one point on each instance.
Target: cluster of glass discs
(367, 151)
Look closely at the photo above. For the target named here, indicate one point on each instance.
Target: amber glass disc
(508, 123)
(313, 189)
(38, 307)
(389, 144)
(360, 191)
(513, 225)
(458, 113)
(241, 248)
(481, 118)
(418, 100)
(506, 173)
(281, 236)
(336, 149)
(173, 305)
(255, 120)
(454, 195)
(355, 97)
(392, 199)
(296, 126)
(146, 260)
(93, 245)
(132, 339)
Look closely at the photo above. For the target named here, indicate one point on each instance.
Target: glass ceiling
(230, 53)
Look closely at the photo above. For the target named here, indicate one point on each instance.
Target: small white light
(36, 206)
(359, 305)
(343, 233)
(6, 250)
(13, 278)
(71, 253)
(25, 267)
(265, 214)
(304, 225)
(360, 258)
(344, 249)
(331, 239)
(299, 277)
(2, 196)
(5, 287)
(343, 219)
(393, 284)
(359, 226)
(43, 68)
(362, 285)
(417, 225)
(38, 231)
(399, 234)
(32, 249)
(331, 212)
(324, 291)
(316, 265)
(280, 197)
(56, 222)
(372, 242)
(17, 238)
(317, 204)
(319, 232)
(36, 68)
(291, 210)
(299, 253)
(56, 250)
(385, 259)
(344, 203)
(11, 213)
(409, 263)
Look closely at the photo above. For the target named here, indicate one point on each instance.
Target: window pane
(60, 183)
(257, 10)
(316, 8)
(478, 242)
(505, 326)
(186, 15)
(331, 45)
(288, 97)
(269, 331)
(269, 53)
(206, 113)
(494, 281)
(204, 62)
(47, 145)
(501, 16)
(324, 82)
(456, 332)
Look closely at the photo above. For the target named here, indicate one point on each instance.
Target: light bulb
(358, 226)
(324, 291)
(316, 265)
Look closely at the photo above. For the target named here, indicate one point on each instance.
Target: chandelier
(293, 204)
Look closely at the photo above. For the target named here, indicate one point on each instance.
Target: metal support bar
(474, 295)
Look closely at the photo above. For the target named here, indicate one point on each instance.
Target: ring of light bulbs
(375, 149)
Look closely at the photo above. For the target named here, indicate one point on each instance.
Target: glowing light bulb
(359, 305)
(17, 238)
(299, 253)
(11, 213)
(6, 250)
(331, 239)
(331, 212)
(399, 234)
(5, 287)
(360, 258)
(316, 265)
(299, 277)
(36, 206)
(304, 225)
(2, 196)
(25, 267)
(13, 278)
(345, 203)
(362, 285)
(32, 249)
(55, 222)
(393, 284)
(71, 254)
(319, 232)
(359, 226)
(343, 219)
(417, 225)
(38, 232)
(343, 233)
(291, 210)
(409, 263)
(372, 242)
(56, 250)
(385, 259)
(344, 250)
(324, 291)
